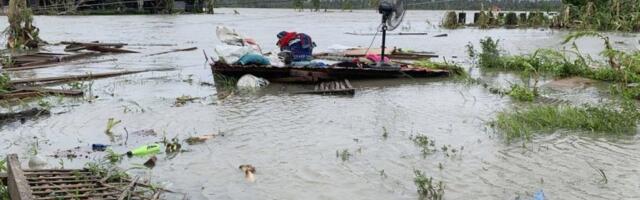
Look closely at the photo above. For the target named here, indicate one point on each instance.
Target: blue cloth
(301, 47)
(312, 64)
(253, 59)
(539, 195)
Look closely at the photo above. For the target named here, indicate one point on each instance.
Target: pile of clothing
(296, 49)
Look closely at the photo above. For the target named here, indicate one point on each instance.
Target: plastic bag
(275, 61)
(231, 37)
(231, 54)
(253, 59)
(249, 81)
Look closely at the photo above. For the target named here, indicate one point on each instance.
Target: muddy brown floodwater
(292, 139)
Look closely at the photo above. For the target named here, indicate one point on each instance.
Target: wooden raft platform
(315, 75)
(342, 87)
(57, 184)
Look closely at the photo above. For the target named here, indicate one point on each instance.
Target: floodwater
(292, 139)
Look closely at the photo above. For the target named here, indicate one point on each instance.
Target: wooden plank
(50, 170)
(84, 76)
(129, 189)
(44, 192)
(57, 65)
(104, 49)
(346, 81)
(19, 95)
(64, 181)
(38, 173)
(35, 188)
(93, 44)
(102, 195)
(171, 51)
(25, 113)
(42, 178)
(17, 182)
(51, 91)
(59, 59)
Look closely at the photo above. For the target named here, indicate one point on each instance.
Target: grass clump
(453, 68)
(483, 19)
(489, 56)
(546, 118)
(426, 145)
(111, 123)
(450, 20)
(344, 155)
(21, 33)
(522, 93)
(4, 191)
(617, 66)
(5, 83)
(601, 15)
(427, 188)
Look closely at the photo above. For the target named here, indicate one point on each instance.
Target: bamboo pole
(82, 77)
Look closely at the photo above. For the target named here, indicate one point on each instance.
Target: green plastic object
(145, 150)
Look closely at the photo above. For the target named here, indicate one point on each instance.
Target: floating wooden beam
(82, 77)
(105, 49)
(171, 51)
(18, 187)
(26, 113)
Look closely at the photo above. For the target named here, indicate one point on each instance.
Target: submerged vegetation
(5, 83)
(427, 145)
(21, 33)
(4, 191)
(545, 118)
(344, 155)
(450, 20)
(618, 67)
(451, 67)
(427, 188)
(522, 93)
(603, 15)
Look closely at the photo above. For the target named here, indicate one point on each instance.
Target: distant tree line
(316, 5)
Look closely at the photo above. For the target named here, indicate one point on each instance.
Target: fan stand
(385, 17)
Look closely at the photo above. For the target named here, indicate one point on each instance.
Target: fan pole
(384, 40)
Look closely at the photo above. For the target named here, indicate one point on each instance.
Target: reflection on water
(292, 139)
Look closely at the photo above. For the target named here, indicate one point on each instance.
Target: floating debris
(172, 51)
(249, 172)
(199, 139)
(151, 163)
(183, 100)
(22, 115)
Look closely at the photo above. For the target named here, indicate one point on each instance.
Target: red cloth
(284, 41)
